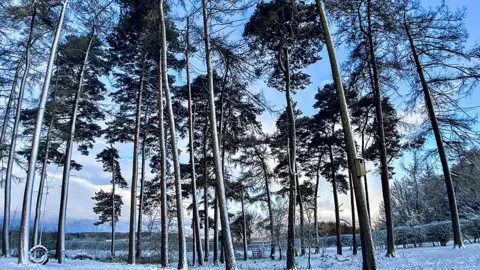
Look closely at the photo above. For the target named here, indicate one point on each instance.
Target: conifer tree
(109, 158)
(286, 35)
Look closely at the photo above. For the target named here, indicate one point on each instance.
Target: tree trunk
(205, 191)
(23, 245)
(365, 177)
(315, 210)
(245, 248)
(335, 202)
(381, 136)
(221, 129)
(302, 215)
(43, 175)
(13, 140)
(352, 203)
(194, 241)
(182, 248)
(292, 167)
(196, 216)
(215, 231)
(222, 251)
(163, 167)
(133, 192)
(68, 157)
(140, 201)
(457, 235)
(365, 230)
(230, 254)
(9, 106)
(112, 244)
(269, 205)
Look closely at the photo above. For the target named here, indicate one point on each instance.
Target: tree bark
(142, 189)
(365, 229)
(335, 202)
(352, 203)
(230, 254)
(197, 244)
(133, 192)
(43, 175)
(112, 244)
(13, 140)
(302, 215)
(215, 231)
(269, 205)
(182, 248)
(381, 136)
(365, 177)
(205, 191)
(292, 166)
(315, 206)
(245, 248)
(457, 235)
(68, 157)
(163, 166)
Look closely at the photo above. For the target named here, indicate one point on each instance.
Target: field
(407, 258)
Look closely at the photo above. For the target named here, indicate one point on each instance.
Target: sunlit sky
(91, 178)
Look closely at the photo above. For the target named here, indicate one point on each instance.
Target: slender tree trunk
(13, 140)
(182, 249)
(302, 215)
(381, 136)
(245, 248)
(352, 203)
(68, 157)
(215, 232)
(23, 244)
(292, 167)
(205, 191)
(9, 106)
(335, 202)
(36, 235)
(194, 240)
(133, 192)
(43, 175)
(457, 235)
(163, 166)
(114, 214)
(222, 251)
(315, 210)
(365, 230)
(140, 201)
(196, 217)
(365, 177)
(230, 254)
(269, 205)
(221, 128)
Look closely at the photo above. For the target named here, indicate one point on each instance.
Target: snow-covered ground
(409, 258)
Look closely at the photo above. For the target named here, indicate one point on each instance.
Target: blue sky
(92, 178)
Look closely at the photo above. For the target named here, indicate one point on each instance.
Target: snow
(407, 258)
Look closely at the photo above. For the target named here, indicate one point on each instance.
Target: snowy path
(438, 258)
